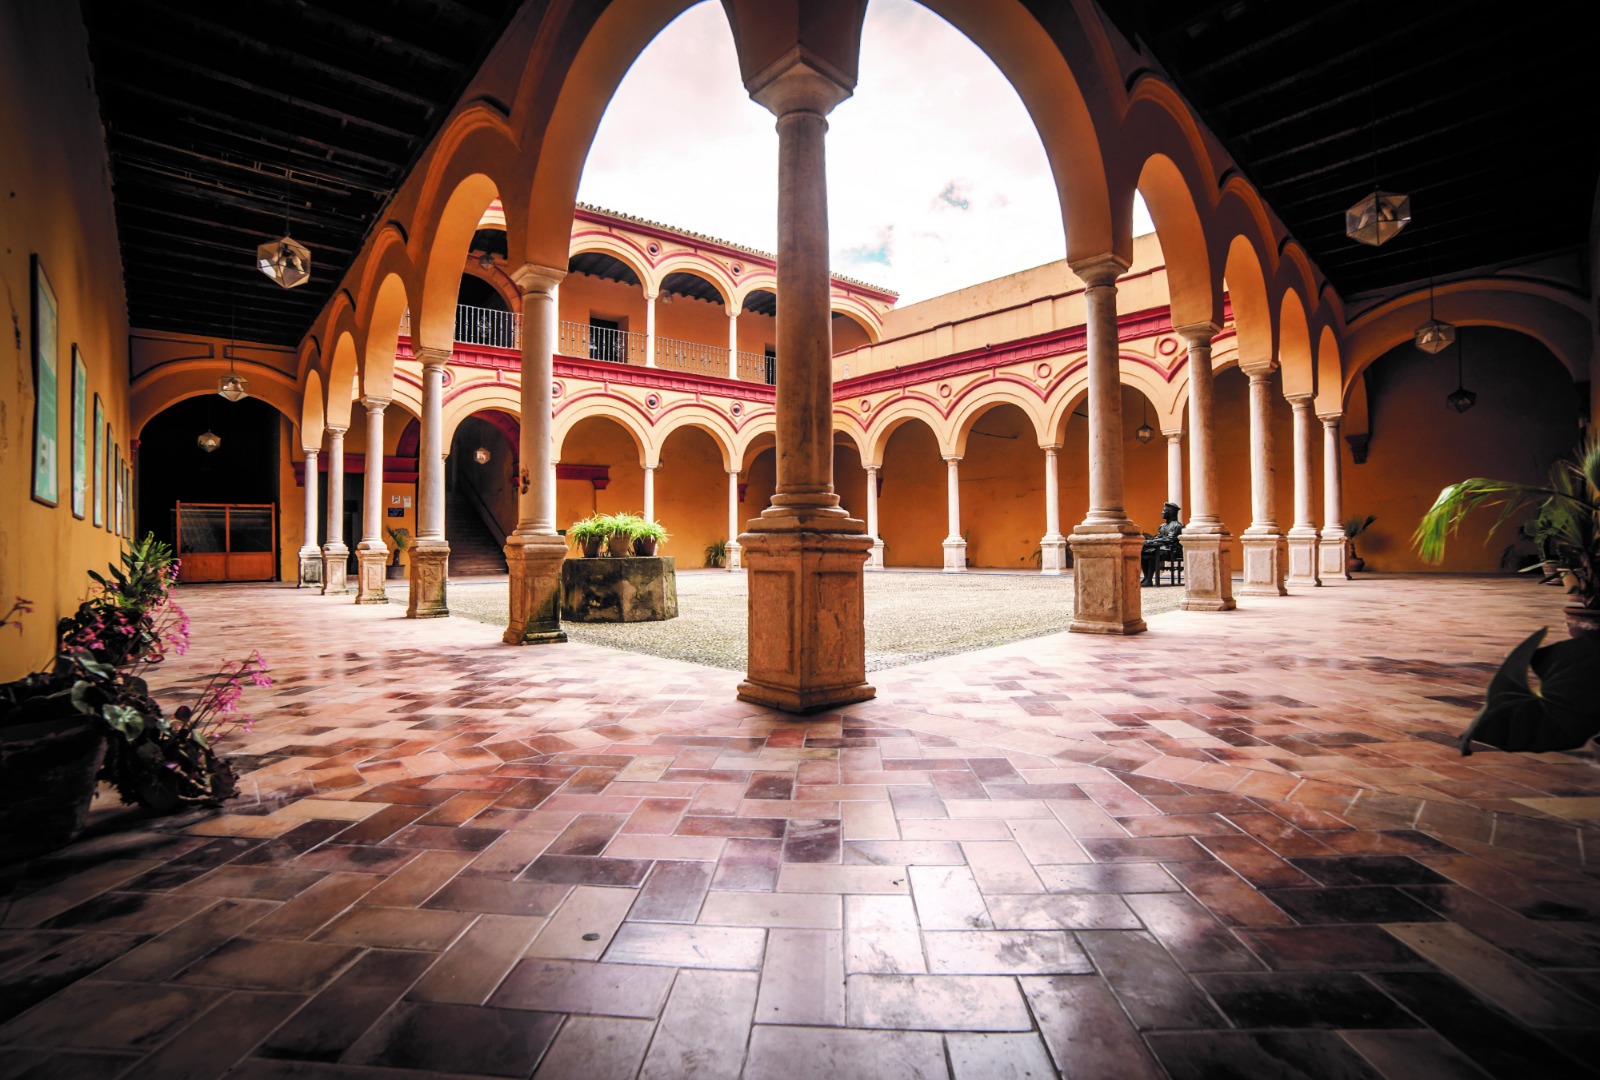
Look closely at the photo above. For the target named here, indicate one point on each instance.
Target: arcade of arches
(499, 360)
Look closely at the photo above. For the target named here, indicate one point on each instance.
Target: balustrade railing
(503, 330)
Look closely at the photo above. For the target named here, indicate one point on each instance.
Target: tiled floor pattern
(1239, 845)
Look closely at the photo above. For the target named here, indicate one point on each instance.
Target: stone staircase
(474, 552)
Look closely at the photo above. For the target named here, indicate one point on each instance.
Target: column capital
(652, 296)
(1300, 401)
(1258, 369)
(430, 357)
(871, 468)
(1331, 419)
(1172, 436)
(375, 404)
(951, 459)
(1050, 447)
(731, 472)
(336, 432)
(799, 81)
(311, 451)
(1198, 335)
(533, 278)
(1100, 270)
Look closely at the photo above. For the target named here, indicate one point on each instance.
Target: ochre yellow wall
(1525, 418)
(583, 297)
(913, 508)
(55, 201)
(700, 322)
(691, 496)
(757, 332)
(760, 480)
(1233, 459)
(1002, 490)
(598, 441)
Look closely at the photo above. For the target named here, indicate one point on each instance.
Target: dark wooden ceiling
(1484, 112)
(221, 117)
(225, 119)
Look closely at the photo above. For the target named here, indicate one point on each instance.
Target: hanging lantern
(233, 387)
(1377, 218)
(209, 441)
(481, 455)
(1460, 399)
(285, 261)
(1145, 432)
(1435, 335)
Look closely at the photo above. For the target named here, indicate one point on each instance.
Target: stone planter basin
(619, 590)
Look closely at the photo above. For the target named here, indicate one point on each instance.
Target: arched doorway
(480, 507)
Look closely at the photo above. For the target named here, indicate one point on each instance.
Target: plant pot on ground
(1352, 529)
(717, 553)
(1568, 516)
(402, 540)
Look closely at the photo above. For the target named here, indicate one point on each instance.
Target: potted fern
(589, 534)
(1352, 529)
(646, 536)
(1569, 500)
(717, 553)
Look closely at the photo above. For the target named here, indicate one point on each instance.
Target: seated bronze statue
(1163, 546)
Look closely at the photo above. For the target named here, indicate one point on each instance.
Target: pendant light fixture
(481, 455)
(1460, 399)
(209, 441)
(1145, 432)
(232, 386)
(1380, 216)
(1435, 335)
(285, 260)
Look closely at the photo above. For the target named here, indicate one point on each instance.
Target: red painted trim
(572, 367)
(599, 475)
(396, 470)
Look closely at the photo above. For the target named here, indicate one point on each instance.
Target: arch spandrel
(612, 409)
(702, 418)
(619, 247)
(970, 411)
(894, 414)
(696, 265)
(1295, 359)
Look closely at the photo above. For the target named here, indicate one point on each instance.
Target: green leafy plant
(402, 540)
(594, 529)
(1355, 526)
(1561, 713)
(717, 553)
(1569, 502)
(640, 529)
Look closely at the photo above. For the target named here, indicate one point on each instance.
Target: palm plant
(1569, 502)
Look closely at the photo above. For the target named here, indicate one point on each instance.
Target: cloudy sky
(935, 182)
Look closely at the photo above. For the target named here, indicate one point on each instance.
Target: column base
(430, 563)
(372, 566)
(1207, 571)
(335, 569)
(1105, 594)
(807, 636)
(310, 569)
(875, 556)
(1052, 554)
(1303, 569)
(1333, 554)
(535, 564)
(1263, 565)
(955, 555)
(735, 553)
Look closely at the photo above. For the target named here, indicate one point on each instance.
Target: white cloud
(937, 179)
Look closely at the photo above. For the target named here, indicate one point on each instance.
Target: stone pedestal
(372, 565)
(535, 564)
(430, 562)
(735, 558)
(310, 568)
(335, 569)
(807, 637)
(955, 555)
(1332, 553)
(1263, 565)
(875, 556)
(1105, 569)
(633, 589)
(1207, 571)
(1303, 567)
(1053, 554)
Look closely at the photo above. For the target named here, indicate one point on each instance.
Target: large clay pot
(1353, 563)
(591, 547)
(47, 772)
(620, 545)
(645, 547)
(1583, 622)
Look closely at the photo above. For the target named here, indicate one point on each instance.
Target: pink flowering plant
(105, 650)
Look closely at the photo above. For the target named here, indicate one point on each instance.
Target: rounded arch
(433, 317)
(1294, 271)
(386, 257)
(695, 265)
(341, 388)
(311, 412)
(382, 329)
(481, 397)
(697, 416)
(1169, 191)
(582, 409)
(184, 379)
(761, 280)
(861, 314)
(756, 435)
(1555, 317)
(849, 426)
(895, 414)
(1328, 369)
(1295, 359)
(1254, 321)
(619, 247)
(968, 413)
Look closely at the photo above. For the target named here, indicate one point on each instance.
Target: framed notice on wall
(97, 491)
(80, 435)
(46, 399)
(108, 452)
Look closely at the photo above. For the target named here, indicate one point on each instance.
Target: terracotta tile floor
(1239, 845)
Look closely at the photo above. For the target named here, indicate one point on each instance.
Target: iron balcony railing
(503, 330)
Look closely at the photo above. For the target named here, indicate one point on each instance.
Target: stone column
(335, 555)
(1207, 548)
(649, 329)
(1175, 467)
(1262, 543)
(1052, 546)
(429, 553)
(733, 521)
(875, 559)
(1303, 533)
(733, 344)
(955, 545)
(1105, 545)
(1334, 548)
(805, 553)
(534, 551)
(310, 550)
(372, 554)
(649, 511)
